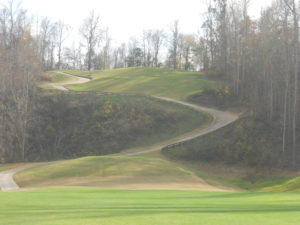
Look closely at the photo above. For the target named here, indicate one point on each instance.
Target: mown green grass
(81, 73)
(121, 207)
(150, 81)
(60, 78)
(88, 171)
(55, 77)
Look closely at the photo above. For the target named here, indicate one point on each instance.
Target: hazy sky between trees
(127, 18)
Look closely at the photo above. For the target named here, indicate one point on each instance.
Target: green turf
(81, 73)
(4, 167)
(89, 171)
(151, 81)
(60, 78)
(116, 207)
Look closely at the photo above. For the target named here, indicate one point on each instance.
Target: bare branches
(90, 31)
(289, 6)
(19, 67)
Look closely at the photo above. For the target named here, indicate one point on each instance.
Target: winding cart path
(220, 119)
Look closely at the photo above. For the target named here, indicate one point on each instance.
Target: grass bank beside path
(55, 78)
(123, 207)
(244, 178)
(150, 81)
(8, 166)
(80, 73)
(273, 183)
(60, 78)
(119, 172)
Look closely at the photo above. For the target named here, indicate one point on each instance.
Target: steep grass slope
(82, 124)
(122, 172)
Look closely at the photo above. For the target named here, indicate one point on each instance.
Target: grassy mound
(60, 78)
(151, 81)
(121, 207)
(132, 172)
(80, 73)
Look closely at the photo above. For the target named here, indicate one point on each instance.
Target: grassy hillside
(8, 166)
(249, 141)
(122, 207)
(81, 124)
(53, 77)
(151, 81)
(81, 73)
(126, 172)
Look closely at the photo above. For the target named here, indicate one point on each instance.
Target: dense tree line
(95, 50)
(260, 61)
(19, 68)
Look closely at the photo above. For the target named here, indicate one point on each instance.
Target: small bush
(221, 97)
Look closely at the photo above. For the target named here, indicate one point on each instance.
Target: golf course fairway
(122, 207)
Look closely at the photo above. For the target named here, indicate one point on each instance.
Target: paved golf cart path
(7, 182)
(220, 119)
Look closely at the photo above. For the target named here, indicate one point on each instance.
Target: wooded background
(257, 58)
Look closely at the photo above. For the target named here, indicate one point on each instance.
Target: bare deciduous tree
(61, 33)
(91, 33)
(19, 67)
(173, 51)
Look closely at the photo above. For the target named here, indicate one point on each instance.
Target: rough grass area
(249, 151)
(8, 166)
(221, 98)
(248, 142)
(268, 184)
(122, 172)
(122, 207)
(72, 125)
(151, 81)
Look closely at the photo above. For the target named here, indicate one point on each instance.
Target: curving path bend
(7, 182)
(220, 119)
(76, 80)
